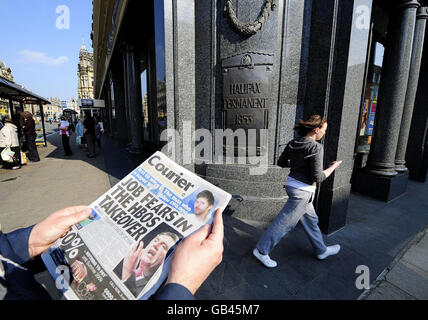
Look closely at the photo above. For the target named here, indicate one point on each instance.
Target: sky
(40, 47)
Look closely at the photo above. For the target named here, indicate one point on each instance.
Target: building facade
(262, 65)
(5, 73)
(85, 74)
(53, 111)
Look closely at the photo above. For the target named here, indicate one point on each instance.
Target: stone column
(119, 102)
(179, 24)
(337, 64)
(226, 54)
(392, 89)
(133, 99)
(416, 162)
(107, 96)
(379, 179)
(415, 65)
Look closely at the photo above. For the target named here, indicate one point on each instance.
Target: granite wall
(336, 73)
(316, 52)
(283, 40)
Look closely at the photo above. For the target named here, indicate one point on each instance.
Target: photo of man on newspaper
(144, 259)
(203, 205)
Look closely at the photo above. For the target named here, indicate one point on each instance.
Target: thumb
(77, 217)
(201, 234)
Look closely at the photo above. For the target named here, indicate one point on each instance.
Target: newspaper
(124, 249)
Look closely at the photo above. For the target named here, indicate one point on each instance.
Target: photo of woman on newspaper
(144, 259)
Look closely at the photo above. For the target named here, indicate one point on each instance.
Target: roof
(10, 90)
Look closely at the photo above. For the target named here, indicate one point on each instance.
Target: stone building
(85, 74)
(5, 73)
(53, 110)
(263, 65)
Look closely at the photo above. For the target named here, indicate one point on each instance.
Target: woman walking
(30, 135)
(304, 156)
(9, 138)
(64, 127)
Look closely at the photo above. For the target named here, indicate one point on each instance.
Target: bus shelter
(14, 93)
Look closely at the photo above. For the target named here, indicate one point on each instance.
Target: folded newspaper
(124, 249)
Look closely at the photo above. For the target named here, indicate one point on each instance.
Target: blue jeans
(298, 208)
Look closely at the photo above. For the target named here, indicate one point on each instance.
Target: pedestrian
(89, 130)
(79, 133)
(64, 132)
(30, 135)
(304, 156)
(99, 130)
(9, 138)
(21, 246)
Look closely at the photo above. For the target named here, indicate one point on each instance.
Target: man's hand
(45, 233)
(198, 255)
(131, 260)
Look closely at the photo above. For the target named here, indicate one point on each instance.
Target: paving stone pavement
(407, 276)
(38, 189)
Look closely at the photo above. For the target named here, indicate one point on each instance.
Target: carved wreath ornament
(248, 29)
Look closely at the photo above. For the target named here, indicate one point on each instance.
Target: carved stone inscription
(246, 93)
(245, 97)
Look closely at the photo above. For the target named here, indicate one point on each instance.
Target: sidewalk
(407, 277)
(38, 189)
(389, 238)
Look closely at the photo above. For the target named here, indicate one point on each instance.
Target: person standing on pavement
(99, 130)
(89, 130)
(64, 132)
(79, 133)
(30, 135)
(9, 138)
(304, 156)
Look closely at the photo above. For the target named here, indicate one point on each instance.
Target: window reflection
(145, 106)
(160, 65)
(368, 110)
(112, 93)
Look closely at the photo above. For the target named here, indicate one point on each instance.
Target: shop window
(159, 26)
(370, 100)
(145, 104)
(112, 93)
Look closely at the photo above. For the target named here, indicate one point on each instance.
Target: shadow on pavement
(114, 160)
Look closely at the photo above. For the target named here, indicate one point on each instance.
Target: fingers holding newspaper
(198, 255)
(46, 232)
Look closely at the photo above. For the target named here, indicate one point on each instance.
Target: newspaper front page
(124, 249)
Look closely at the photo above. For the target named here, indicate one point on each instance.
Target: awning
(69, 111)
(12, 91)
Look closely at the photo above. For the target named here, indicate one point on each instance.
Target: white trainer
(331, 250)
(265, 259)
